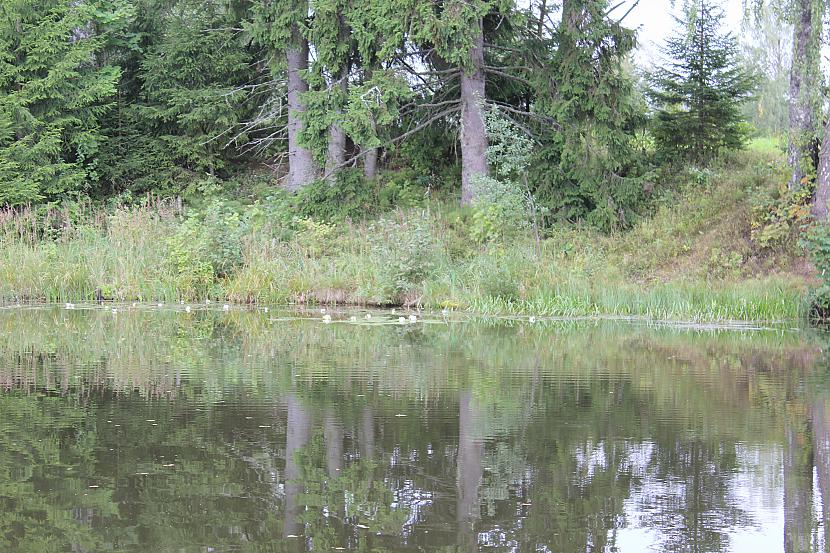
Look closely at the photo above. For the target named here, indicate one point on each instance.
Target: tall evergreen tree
(183, 98)
(55, 86)
(587, 166)
(699, 91)
(281, 26)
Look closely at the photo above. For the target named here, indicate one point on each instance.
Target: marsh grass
(690, 260)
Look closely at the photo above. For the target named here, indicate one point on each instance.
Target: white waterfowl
(353, 318)
(401, 320)
(187, 309)
(368, 316)
(532, 320)
(161, 305)
(326, 319)
(226, 307)
(413, 318)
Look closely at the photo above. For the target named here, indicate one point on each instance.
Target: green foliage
(777, 218)
(207, 245)
(52, 98)
(698, 94)
(722, 264)
(315, 237)
(351, 197)
(501, 204)
(588, 168)
(817, 242)
(499, 210)
(191, 88)
(405, 250)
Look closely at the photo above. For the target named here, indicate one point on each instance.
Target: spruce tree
(699, 92)
(55, 86)
(587, 166)
(185, 93)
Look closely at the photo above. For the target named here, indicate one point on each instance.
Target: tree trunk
(798, 491)
(370, 158)
(820, 208)
(470, 471)
(803, 82)
(370, 164)
(473, 131)
(298, 432)
(301, 169)
(337, 137)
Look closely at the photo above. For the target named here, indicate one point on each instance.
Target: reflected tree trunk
(298, 434)
(334, 445)
(470, 471)
(798, 489)
(821, 454)
(366, 434)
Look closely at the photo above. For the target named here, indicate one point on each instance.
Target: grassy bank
(691, 258)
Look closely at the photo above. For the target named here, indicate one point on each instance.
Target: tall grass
(691, 260)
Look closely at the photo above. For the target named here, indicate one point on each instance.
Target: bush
(817, 242)
(777, 217)
(315, 237)
(207, 245)
(406, 250)
(499, 210)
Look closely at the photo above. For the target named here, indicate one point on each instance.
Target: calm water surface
(156, 430)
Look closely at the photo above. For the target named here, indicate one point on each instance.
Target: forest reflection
(236, 432)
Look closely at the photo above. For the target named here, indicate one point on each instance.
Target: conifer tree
(54, 89)
(281, 26)
(587, 166)
(184, 96)
(699, 91)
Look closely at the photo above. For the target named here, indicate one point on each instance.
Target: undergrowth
(696, 257)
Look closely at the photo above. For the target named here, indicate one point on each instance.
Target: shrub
(777, 217)
(406, 251)
(499, 209)
(817, 242)
(206, 245)
(315, 237)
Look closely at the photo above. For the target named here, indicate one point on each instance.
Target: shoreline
(340, 313)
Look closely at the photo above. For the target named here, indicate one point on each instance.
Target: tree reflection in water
(149, 432)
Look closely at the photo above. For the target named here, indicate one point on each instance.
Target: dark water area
(156, 430)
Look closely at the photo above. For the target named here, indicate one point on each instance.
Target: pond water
(152, 429)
